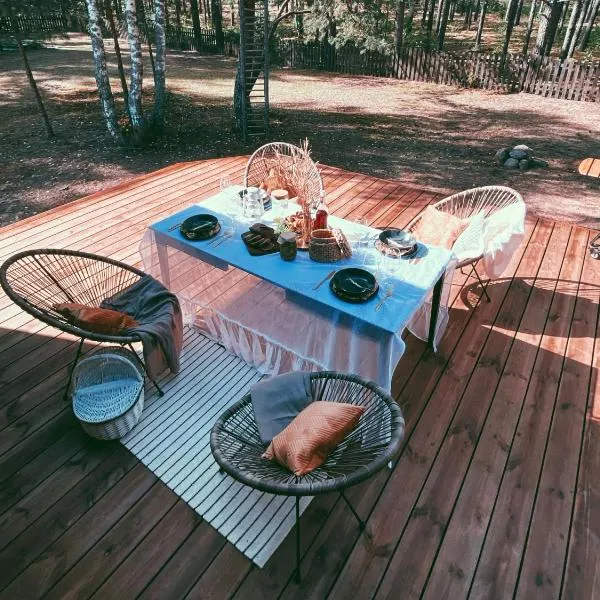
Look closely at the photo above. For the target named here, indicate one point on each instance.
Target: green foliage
(367, 24)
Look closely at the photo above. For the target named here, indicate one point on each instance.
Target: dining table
(283, 316)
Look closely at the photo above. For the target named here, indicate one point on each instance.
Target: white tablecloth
(277, 331)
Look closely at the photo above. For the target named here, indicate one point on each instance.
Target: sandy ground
(432, 136)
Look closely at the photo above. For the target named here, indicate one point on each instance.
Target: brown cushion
(438, 228)
(313, 435)
(98, 320)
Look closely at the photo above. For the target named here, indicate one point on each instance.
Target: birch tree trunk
(480, 25)
(137, 67)
(115, 36)
(549, 17)
(160, 64)
(589, 25)
(527, 37)
(443, 24)
(569, 42)
(102, 81)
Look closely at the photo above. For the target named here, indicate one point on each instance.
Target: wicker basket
(108, 393)
(328, 245)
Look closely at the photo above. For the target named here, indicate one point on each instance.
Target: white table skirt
(277, 331)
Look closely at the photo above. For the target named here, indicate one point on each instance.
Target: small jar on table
(288, 247)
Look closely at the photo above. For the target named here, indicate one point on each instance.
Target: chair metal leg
(361, 523)
(473, 273)
(73, 365)
(297, 539)
(483, 286)
(160, 392)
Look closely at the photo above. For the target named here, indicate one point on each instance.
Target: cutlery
(388, 294)
(218, 241)
(329, 276)
(174, 227)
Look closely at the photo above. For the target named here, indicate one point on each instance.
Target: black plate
(354, 285)
(200, 227)
(398, 239)
(394, 253)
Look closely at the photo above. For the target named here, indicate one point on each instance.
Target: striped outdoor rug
(172, 440)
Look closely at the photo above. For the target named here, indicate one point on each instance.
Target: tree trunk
(452, 9)
(399, 33)
(34, 87)
(115, 36)
(549, 16)
(519, 12)
(438, 16)
(569, 42)
(443, 24)
(137, 67)
(178, 13)
(159, 78)
(430, 20)
(102, 81)
(589, 25)
(424, 15)
(217, 22)
(196, 23)
(510, 22)
(141, 12)
(480, 25)
(563, 16)
(527, 37)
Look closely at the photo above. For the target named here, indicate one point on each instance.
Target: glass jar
(288, 247)
(252, 204)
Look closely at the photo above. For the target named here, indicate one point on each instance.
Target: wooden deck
(496, 493)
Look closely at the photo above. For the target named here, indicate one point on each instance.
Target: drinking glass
(225, 182)
(363, 236)
(253, 208)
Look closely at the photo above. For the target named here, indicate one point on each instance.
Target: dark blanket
(160, 324)
(276, 402)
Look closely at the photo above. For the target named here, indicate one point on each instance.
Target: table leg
(163, 261)
(436, 300)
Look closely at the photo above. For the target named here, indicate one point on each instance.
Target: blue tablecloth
(324, 328)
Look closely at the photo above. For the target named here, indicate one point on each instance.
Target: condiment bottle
(287, 245)
(322, 214)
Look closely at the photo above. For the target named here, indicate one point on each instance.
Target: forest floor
(431, 136)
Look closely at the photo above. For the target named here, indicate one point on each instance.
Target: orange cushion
(438, 228)
(98, 320)
(313, 435)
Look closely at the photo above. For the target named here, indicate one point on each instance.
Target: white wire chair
(278, 155)
(485, 200)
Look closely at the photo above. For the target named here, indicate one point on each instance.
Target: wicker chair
(486, 200)
(275, 153)
(35, 280)
(237, 447)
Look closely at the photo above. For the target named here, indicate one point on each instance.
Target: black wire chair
(35, 280)
(237, 447)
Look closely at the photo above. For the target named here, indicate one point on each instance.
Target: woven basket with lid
(328, 245)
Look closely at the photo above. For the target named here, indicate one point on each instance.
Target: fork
(329, 276)
(388, 294)
(218, 241)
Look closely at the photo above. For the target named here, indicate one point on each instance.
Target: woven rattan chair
(279, 154)
(237, 447)
(35, 280)
(486, 200)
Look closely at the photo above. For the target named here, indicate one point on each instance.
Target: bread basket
(328, 245)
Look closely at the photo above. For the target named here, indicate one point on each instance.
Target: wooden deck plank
(498, 569)
(478, 456)
(544, 558)
(454, 567)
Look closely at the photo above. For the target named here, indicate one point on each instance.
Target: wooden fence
(37, 25)
(545, 76)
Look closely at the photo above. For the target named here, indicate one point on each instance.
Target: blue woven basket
(108, 393)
